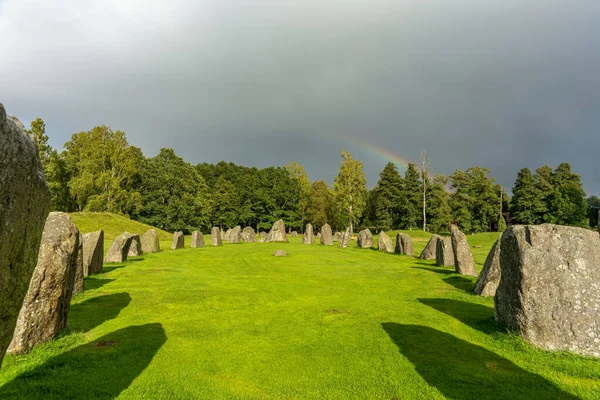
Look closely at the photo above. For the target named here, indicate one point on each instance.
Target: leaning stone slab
(248, 235)
(93, 252)
(24, 203)
(444, 254)
(78, 282)
(365, 239)
(429, 252)
(308, 237)
(135, 248)
(178, 241)
(385, 243)
(489, 278)
(46, 305)
(277, 233)
(345, 240)
(235, 235)
(404, 245)
(326, 237)
(463, 260)
(119, 248)
(549, 289)
(215, 236)
(150, 243)
(197, 239)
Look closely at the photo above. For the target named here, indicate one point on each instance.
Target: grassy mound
(113, 225)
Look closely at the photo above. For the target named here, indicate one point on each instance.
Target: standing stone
(319, 235)
(227, 235)
(463, 260)
(277, 233)
(46, 305)
(550, 287)
(135, 248)
(430, 250)
(365, 239)
(235, 236)
(215, 236)
(262, 236)
(93, 252)
(197, 239)
(489, 279)
(119, 248)
(404, 245)
(279, 253)
(385, 243)
(444, 254)
(294, 234)
(345, 240)
(222, 234)
(248, 235)
(308, 237)
(79, 282)
(24, 203)
(178, 241)
(150, 243)
(326, 237)
(337, 236)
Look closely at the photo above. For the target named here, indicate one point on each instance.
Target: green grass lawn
(113, 225)
(234, 322)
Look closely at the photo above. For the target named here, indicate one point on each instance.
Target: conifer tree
(411, 198)
(388, 197)
(527, 204)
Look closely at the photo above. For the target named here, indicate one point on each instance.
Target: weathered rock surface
(337, 236)
(429, 252)
(489, 278)
(444, 254)
(308, 237)
(150, 243)
(319, 235)
(345, 240)
(178, 241)
(119, 248)
(78, 282)
(365, 239)
(24, 203)
(235, 236)
(46, 305)
(385, 243)
(326, 237)
(463, 259)
(135, 248)
(294, 234)
(93, 252)
(404, 245)
(248, 235)
(215, 236)
(280, 253)
(227, 235)
(277, 233)
(197, 239)
(550, 286)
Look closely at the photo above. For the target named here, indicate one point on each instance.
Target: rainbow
(384, 154)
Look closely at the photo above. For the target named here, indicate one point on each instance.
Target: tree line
(98, 170)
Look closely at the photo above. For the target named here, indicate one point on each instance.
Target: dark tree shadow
(462, 283)
(111, 267)
(88, 314)
(461, 370)
(98, 370)
(95, 283)
(438, 270)
(477, 316)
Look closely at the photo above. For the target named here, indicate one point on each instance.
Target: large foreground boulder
(308, 237)
(215, 236)
(429, 252)
(150, 243)
(235, 235)
(345, 240)
(489, 278)
(365, 239)
(178, 241)
(93, 252)
(463, 259)
(119, 248)
(549, 289)
(79, 281)
(385, 243)
(444, 254)
(326, 235)
(248, 235)
(46, 305)
(197, 239)
(404, 245)
(135, 248)
(24, 203)
(277, 233)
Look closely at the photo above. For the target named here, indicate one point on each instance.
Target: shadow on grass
(438, 270)
(95, 283)
(112, 267)
(98, 370)
(462, 283)
(461, 370)
(90, 313)
(477, 316)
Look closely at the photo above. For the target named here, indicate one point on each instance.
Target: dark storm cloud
(503, 84)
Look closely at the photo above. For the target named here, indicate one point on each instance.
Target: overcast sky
(498, 83)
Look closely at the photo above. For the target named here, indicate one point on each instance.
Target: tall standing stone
(326, 236)
(135, 248)
(235, 236)
(46, 305)
(345, 240)
(308, 237)
(178, 241)
(24, 203)
(463, 259)
(79, 281)
(197, 239)
(489, 278)
(277, 233)
(430, 250)
(262, 236)
(215, 236)
(227, 235)
(404, 245)
(365, 239)
(444, 254)
(549, 289)
(248, 235)
(93, 252)
(119, 248)
(385, 243)
(150, 243)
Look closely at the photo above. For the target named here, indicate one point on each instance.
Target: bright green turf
(113, 225)
(234, 322)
